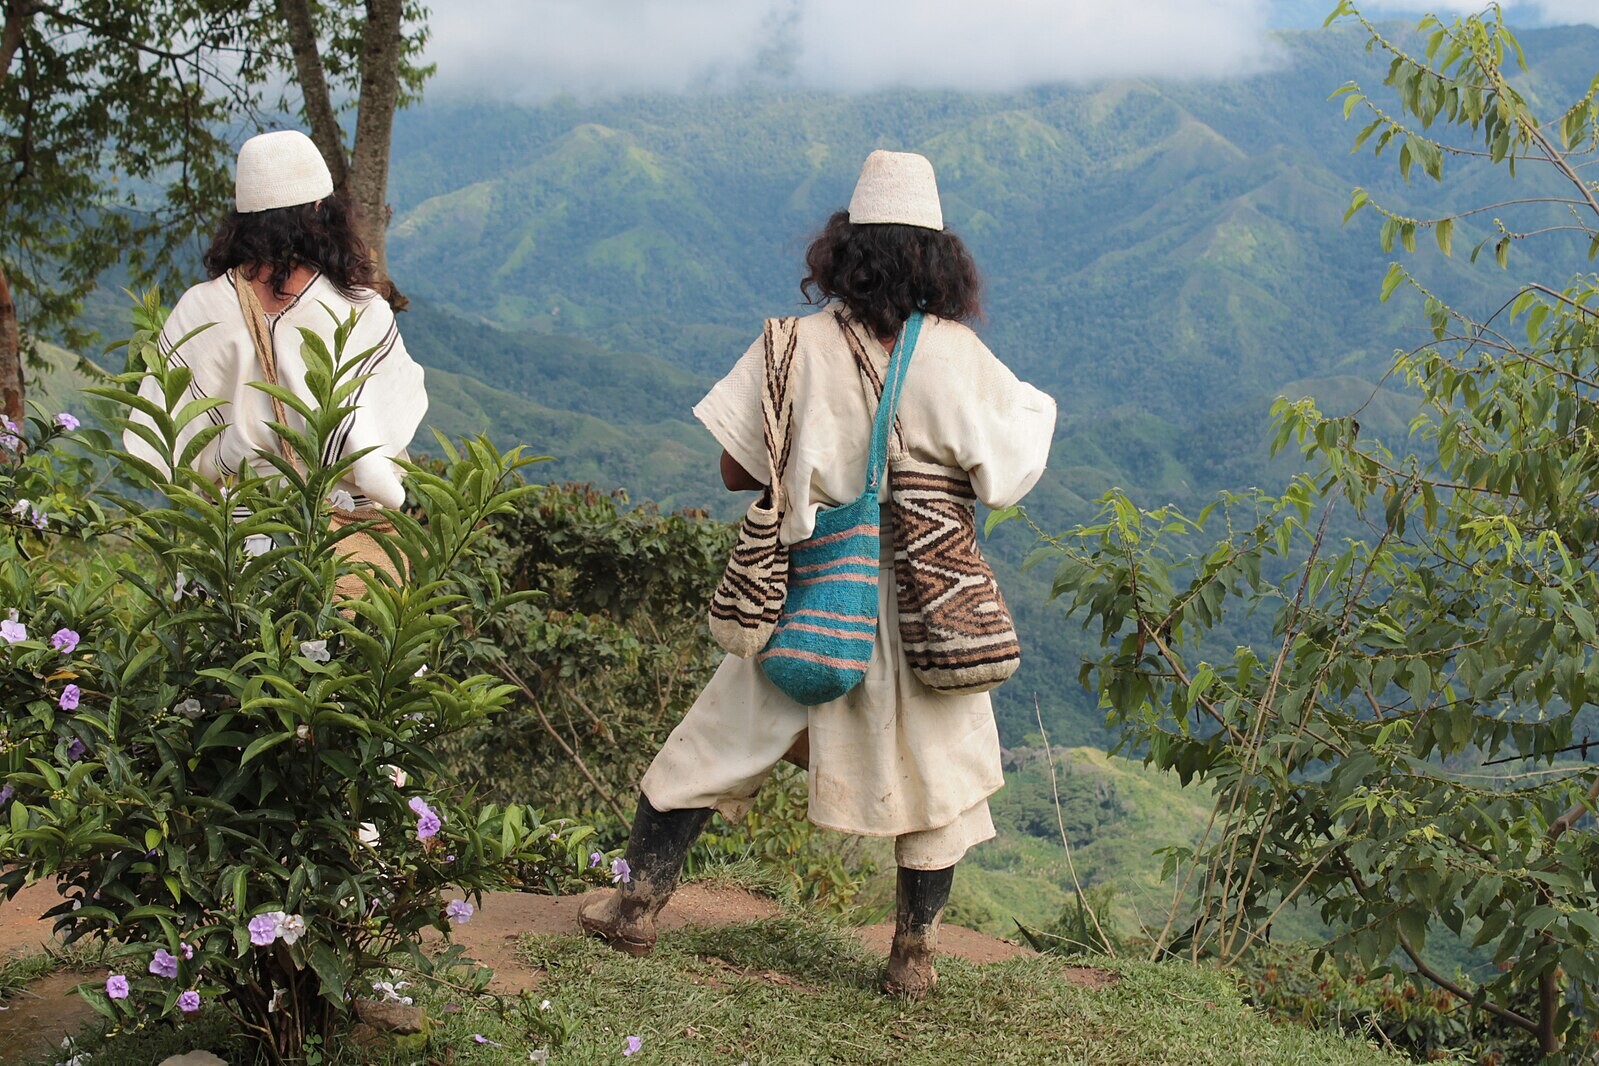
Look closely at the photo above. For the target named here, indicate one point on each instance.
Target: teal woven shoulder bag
(824, 636)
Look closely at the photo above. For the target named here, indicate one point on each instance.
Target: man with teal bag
(891, 756)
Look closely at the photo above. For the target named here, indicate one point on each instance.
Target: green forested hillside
(1163, 258)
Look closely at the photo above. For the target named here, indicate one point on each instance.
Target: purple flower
(621, 873)
(116, 986)
(6, 794)
(459, 911)
(165, 964)
(187, 949)
(67, 421)
(70, 696)
(633, 1045)
(481, 1039)
(10, 443)
(428, 822)
(595, 858)
(8, 425)
(40, 520)
(64, 641)
(263, 929)
(12, 631)
(77, 749)
(189, 1002)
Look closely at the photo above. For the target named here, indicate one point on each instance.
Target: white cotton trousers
(891, 758)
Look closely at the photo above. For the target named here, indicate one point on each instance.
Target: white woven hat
(897, 187)
(280, 169)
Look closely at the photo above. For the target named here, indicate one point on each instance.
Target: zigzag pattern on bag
(956, 631)
(749, 598)
(750, 592)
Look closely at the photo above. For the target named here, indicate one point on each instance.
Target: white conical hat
(280, 169)
(897, 187)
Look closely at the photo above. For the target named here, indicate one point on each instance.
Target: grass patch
(799, 989)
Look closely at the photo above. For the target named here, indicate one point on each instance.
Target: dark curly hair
(320, 235)
(884, 271)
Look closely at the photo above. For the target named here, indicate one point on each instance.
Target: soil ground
(39, 1017)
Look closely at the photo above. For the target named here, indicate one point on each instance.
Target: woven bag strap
(866, 368)
(261, 336)
(781, 339)
(899, 362)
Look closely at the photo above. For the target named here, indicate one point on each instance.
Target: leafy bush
(232, 772)
(604, 644)
(1428, 1024)
(1458, 627)
(606, 659)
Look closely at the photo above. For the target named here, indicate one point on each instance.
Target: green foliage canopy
(231, 771)
(1459, 626)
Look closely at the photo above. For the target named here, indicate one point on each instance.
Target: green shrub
(231, 773)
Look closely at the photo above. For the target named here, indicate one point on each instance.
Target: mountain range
(1164, 258)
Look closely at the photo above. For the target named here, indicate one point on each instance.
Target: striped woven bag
(746, 603)
(828, 625)
(953, 624)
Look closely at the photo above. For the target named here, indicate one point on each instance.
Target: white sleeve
(732, 412)
(389, 405)
(1005, 429)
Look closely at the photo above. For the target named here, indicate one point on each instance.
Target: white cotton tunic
(222, 358)
(893, 757)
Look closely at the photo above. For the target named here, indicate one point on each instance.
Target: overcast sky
(528, 50)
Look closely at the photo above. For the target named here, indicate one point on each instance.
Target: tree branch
(318, 102)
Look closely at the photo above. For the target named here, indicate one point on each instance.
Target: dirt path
(48, 1010)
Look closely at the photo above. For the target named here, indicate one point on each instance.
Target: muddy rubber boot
(624, 916)
(919, 908)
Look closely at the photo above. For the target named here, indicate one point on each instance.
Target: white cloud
(535, 48)
(1517, 12)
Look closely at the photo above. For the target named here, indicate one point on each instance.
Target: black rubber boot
(921, 898)
(624, 916)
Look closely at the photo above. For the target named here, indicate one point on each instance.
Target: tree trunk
(17, 13)
(296, 14)
(374, 128)
(11, 388)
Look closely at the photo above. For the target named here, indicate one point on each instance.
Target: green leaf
(1444, 230)
(996, 518)
(261, 744)
(330, 969)
(1394, 278)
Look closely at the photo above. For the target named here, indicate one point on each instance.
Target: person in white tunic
(293, 245)
(893, 757)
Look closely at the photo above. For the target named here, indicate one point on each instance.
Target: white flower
(545, 1005)
(367, 834)
(302, 731)
(189, 708)
(21, 507)
(397, 775)
(390, 991)
(180, 586)
(421, 670)
(257, 544)
(291, 927)
(342, 500)
(315, 650)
